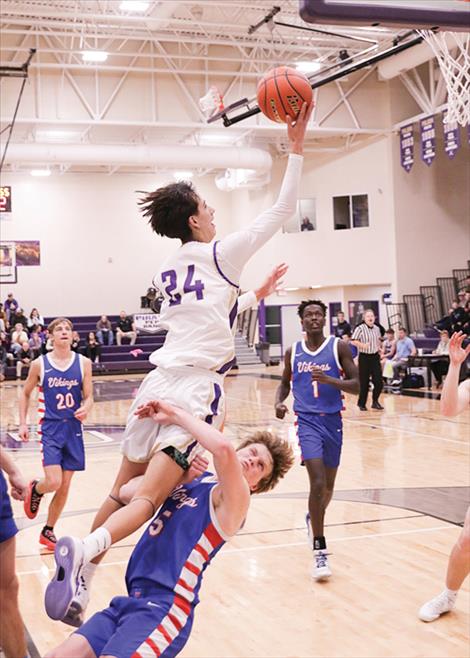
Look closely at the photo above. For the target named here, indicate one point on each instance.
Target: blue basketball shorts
(320, 437)
(152, 623)
(62, 444)
(8, 527)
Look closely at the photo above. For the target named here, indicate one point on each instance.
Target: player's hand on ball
(281, 410)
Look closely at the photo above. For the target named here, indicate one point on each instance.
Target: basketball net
(452, 50)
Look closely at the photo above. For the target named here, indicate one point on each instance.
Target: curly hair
(169, 208)
(281, 454)
(303, 305)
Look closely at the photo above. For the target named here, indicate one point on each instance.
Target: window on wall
(350, 211)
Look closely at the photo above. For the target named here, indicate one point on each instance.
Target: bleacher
(115, 359)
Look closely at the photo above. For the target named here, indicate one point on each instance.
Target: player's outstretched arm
(283, 389)
(455, 398)
(236, 249)
(28, 387)
(269, 285)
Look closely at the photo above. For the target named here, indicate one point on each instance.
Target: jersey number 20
(65, 401)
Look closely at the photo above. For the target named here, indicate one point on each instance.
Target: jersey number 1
(315, 389)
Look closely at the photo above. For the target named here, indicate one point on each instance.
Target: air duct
(408, 59)
(162, 157)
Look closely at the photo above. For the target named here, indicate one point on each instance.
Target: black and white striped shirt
(370, 336)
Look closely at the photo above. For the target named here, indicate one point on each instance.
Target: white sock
(88, 573)
(451, 594)
(97, 542)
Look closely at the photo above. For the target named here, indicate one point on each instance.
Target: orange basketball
(281, 92)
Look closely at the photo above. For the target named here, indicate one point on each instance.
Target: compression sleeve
(235, 250)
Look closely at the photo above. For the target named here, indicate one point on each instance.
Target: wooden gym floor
(401, 495)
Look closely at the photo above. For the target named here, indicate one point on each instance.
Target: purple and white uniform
(200, 286)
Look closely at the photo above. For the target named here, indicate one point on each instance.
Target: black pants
(439, 369)
(369, 366)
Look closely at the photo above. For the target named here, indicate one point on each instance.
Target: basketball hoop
(452, 51)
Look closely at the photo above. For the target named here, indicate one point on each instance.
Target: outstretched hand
(296, 129)
(458, 354)
(272, 282)
(161, 412)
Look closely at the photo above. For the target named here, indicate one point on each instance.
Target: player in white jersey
(200, 287)
(455, 399)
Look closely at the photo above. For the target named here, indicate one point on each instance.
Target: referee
(366, 337)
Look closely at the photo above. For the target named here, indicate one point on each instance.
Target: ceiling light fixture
(308, 67)
(40, 173)
(94, 56)
(133, 5)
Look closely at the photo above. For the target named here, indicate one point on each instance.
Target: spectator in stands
(346, 337)
(458, 316)
(19, 316)
(389, 346)
(10, 305)
(3, 355)
(440, 367)
(48, 344)
(92, 348)
(36, 340)
(306, 224)
(25, 356)
(342, 326)
(405, 349)
(104, 331)
(35, 318)
(3, 318)
(75, 341)
(125, 328)
(18, 337)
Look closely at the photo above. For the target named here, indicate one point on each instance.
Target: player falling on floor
(455, 399)
(199, 284)
(165, 570)
(314, 368)
(64, 400)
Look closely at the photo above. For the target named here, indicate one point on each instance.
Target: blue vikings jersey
(60, 391)
(179, 543)
(313, 397)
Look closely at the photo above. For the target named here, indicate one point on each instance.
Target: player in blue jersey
(318, 369)
(165, 570)
(65, 398)
(12, 635)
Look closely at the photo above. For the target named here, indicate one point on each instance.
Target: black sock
(48, 527)
(36, 491)
(319, 543)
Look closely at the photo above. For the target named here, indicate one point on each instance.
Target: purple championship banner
(407, 147)
(451, 136)
(428, 140)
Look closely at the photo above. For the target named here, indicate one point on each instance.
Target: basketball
(281, 92)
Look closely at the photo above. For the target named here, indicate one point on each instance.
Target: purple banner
(407, 147)
(451, 136)
(428, 140)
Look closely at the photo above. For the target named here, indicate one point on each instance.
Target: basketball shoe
(433, 609)
(48, 539)
(321, 569)
(32, 500)
(75, 614)
(69, 558)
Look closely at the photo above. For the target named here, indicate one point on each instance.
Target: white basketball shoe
(436, 607)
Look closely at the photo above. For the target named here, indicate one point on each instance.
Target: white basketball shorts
(200, 393)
